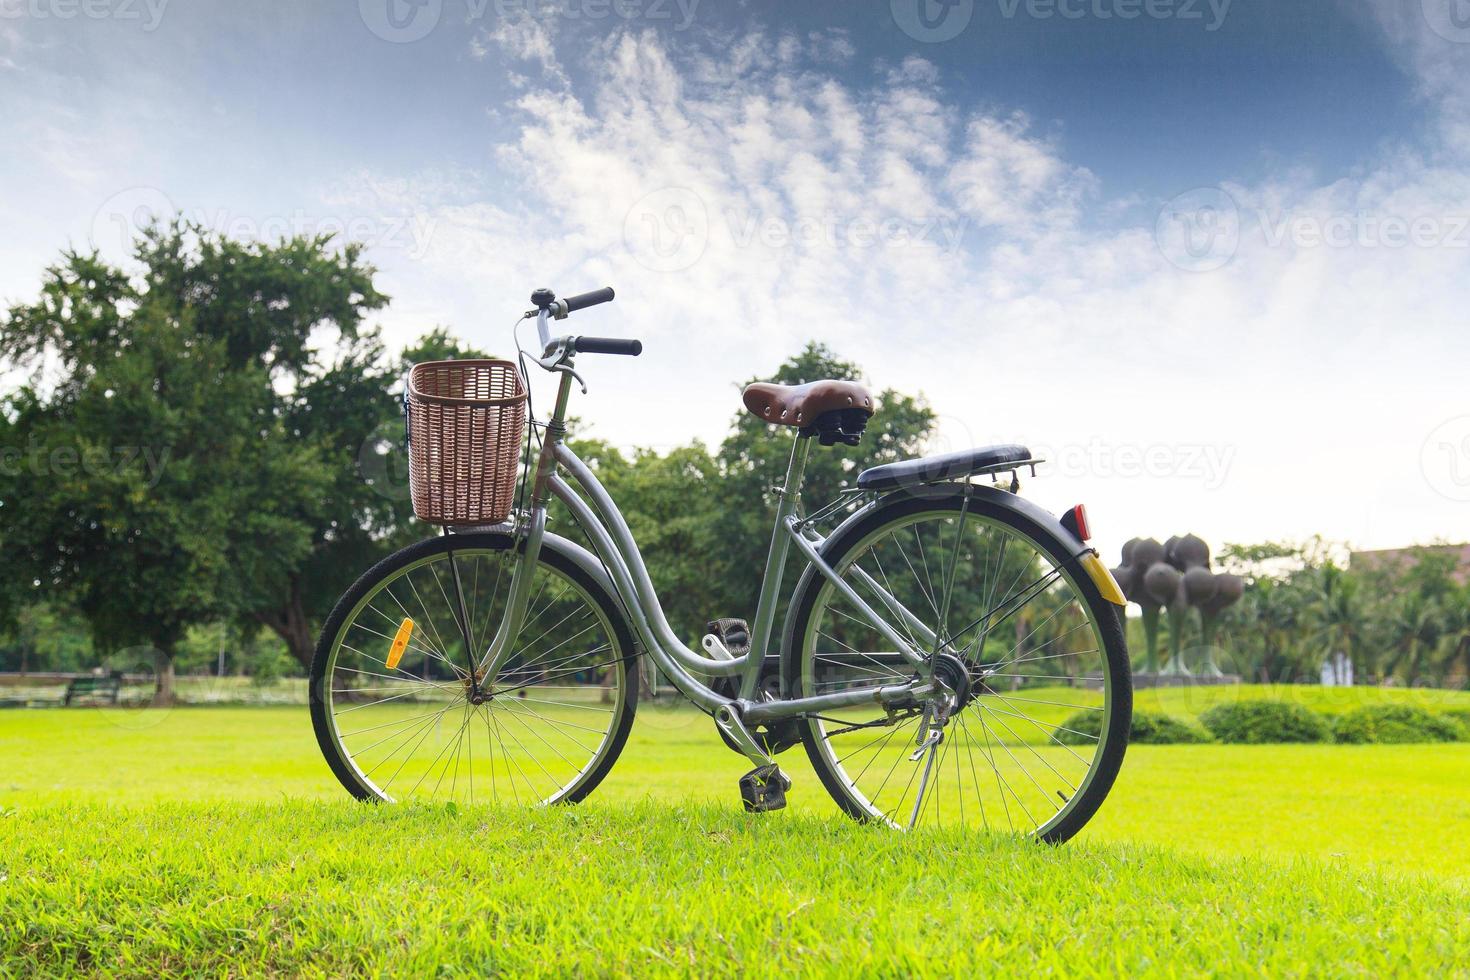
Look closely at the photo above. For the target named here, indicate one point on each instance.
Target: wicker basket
(465, 420)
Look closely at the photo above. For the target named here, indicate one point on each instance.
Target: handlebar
(607, 345)
(584, 300)
(548, 307)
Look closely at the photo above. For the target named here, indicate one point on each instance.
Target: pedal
(734, 633)
(764, 789)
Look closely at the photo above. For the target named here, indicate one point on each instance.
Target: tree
(1457, 633)
(44, 638)
(1415, 626)
(190, 447)
(1342, 618)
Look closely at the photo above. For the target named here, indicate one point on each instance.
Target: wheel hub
(472, 690)
(954, 674)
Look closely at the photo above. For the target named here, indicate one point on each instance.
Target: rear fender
(837, 542)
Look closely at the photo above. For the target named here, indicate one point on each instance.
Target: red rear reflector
(1079, 519)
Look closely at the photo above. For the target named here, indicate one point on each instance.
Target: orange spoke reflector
(400, 643)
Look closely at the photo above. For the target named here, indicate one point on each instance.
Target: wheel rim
(1012, 757)
(536, 732)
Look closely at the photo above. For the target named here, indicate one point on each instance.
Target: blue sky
(1209, 257)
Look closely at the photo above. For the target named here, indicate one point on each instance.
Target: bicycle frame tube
(788, 495)
(614, 544)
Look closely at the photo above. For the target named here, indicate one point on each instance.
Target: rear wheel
(1031, 729)
(397, 716)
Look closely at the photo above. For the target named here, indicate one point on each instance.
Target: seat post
(801, 449)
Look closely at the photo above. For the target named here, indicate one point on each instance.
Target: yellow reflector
(1101, 577)
(400, 643)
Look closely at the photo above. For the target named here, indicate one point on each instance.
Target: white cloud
(1006, 178)
(955, 251)
(526, 38)
(824, 208)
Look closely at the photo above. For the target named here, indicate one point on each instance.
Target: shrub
(1147, 728)
(1257, 722)
(1395, 723)
(1462, 715)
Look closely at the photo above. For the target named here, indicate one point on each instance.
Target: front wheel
(399, 718)
(1033, 722)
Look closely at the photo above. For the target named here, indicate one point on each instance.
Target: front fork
(530, 533)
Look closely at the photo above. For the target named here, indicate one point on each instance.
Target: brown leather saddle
(833, 410)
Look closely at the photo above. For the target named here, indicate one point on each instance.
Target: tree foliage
(1401, 622)
(188, 446)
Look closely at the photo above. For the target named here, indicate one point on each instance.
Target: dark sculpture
(1175, 576)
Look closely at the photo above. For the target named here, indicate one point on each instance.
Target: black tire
(553, 557)
(1106, 616)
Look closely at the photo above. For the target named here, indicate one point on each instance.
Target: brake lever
(555, 359)
(567, 369)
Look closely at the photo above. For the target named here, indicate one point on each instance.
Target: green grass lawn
(319, 887)
(216, 839)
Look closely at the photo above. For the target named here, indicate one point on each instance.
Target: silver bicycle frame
(615, 546)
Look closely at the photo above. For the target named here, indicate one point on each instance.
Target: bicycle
(924, 690)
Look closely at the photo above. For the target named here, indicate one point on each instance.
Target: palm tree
(1273, 607)
(1457, 632)
(1342, 617)
(1415, 629)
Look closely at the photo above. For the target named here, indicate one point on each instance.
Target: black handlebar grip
(608, 345)
(581, 302)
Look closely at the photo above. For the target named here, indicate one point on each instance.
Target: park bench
(94, 689)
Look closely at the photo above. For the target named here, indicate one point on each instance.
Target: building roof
(1407, 557)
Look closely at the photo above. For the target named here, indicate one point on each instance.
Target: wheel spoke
(963, 565)
(405, 736)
